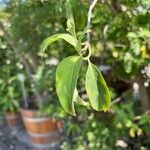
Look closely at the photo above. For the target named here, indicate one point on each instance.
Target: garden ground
(14, 138)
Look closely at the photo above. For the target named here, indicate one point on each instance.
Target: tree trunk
(145, 102)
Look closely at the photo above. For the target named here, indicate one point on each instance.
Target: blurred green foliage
(120, 38)
(100, 130)
(9, 88)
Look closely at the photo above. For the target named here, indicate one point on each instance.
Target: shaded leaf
(97, 89)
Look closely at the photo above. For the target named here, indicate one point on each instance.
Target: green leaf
(97, 89)
(83, 33)
(76, 97)
(71, 30)
(71, 27)
(67, 37)
(79, 100)
(66, 80)
(128, 62)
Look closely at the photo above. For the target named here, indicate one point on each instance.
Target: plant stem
(90, 17)
(92, 5)
(24, 94)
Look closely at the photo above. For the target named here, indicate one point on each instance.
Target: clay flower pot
(43, 131)
(13, 118)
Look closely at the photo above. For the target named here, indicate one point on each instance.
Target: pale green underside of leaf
(66, 80)
(67, 37)
(76, 97)
(97, 89)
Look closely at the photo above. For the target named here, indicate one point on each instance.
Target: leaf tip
(72, 112)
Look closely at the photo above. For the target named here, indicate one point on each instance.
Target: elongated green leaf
(97, 89)
(66, 80)
(71, 27)
(67, 37)
(71, 30)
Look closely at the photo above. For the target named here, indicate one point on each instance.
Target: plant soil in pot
(43, 131)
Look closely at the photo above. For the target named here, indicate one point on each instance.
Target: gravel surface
(16, 138)
(9, 141)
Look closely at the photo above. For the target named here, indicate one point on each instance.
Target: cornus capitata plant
(68, 70)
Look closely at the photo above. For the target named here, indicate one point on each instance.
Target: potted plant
(9, 103)
(38, 112)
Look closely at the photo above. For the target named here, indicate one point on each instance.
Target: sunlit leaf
(128, 62)
(67, 37)
(76, 97)
(66, 80)
(71, 27)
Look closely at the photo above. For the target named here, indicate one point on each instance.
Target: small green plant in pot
(39, 118)
(9, 102)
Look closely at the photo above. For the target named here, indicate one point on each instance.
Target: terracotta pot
(13, 118)
(43, 131)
